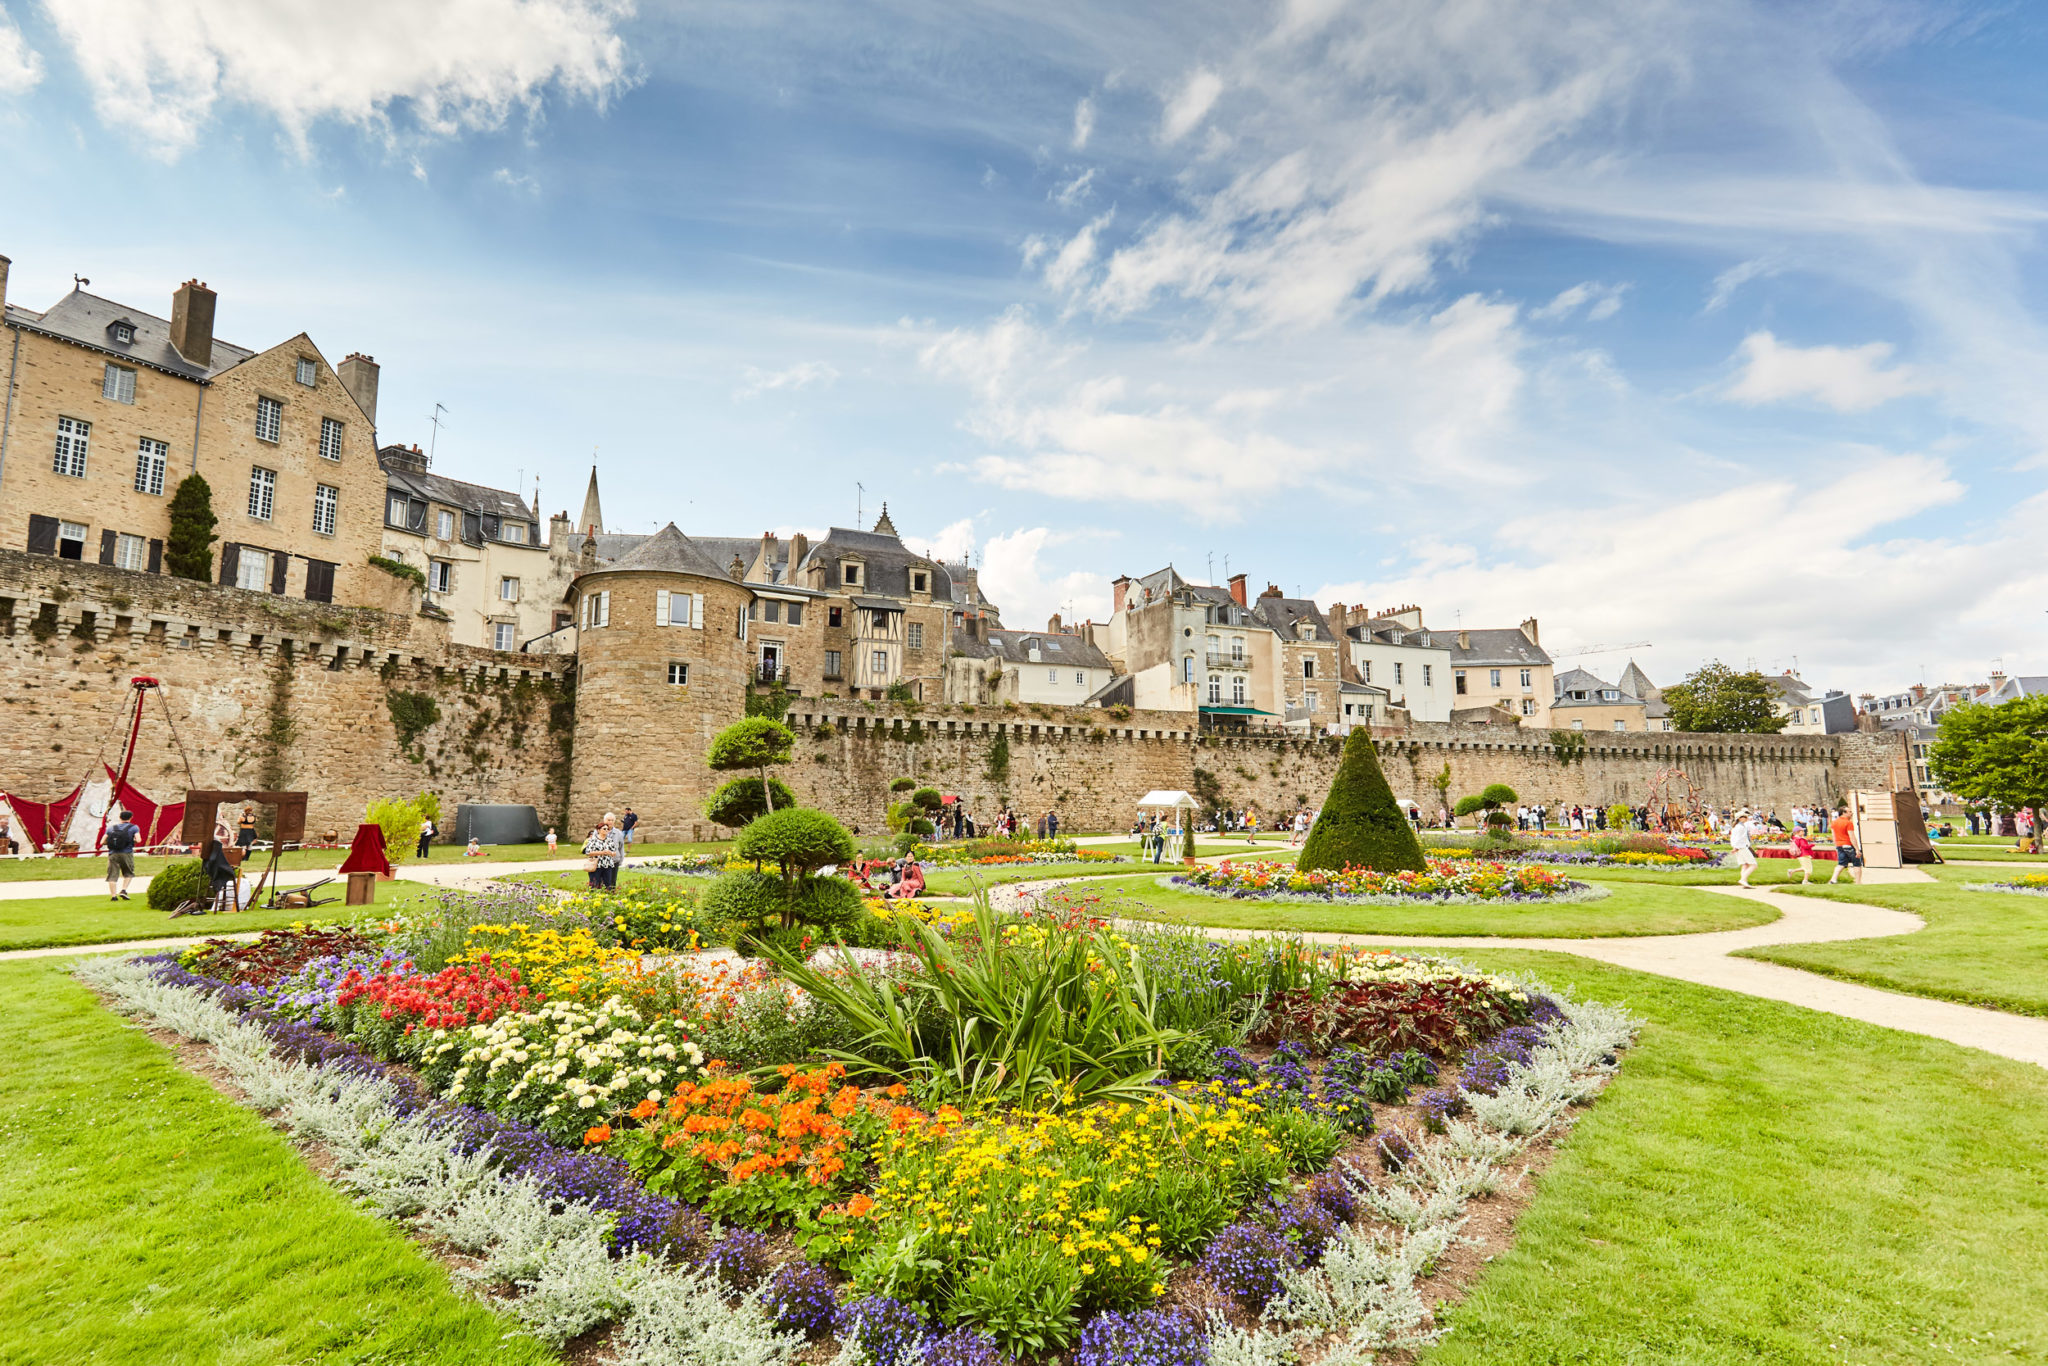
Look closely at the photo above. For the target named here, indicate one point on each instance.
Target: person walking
(1740, 834)
(427, 833)
(603, 850)
(626, 827)
(1847, 853)
(551, 841)
(245, 829)
(1052, 825)
(121, 856)
(1802, 849)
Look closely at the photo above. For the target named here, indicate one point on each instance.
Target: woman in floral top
(604, 848)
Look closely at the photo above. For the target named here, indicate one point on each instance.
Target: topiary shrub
(799, 841)
(178, 883)
(739, 801)
(1361, 825)
(740, 901)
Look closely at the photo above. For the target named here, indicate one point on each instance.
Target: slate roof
(613, 546)
(1013, 647)
(669, 551)
(1579, 680)
(1285, 616)
(1387, 631)
(2027, 685)
(887, 559)
(1504, 646)
(84, 318)
(457, 493)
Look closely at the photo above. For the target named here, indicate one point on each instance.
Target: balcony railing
(771, 675)
(1218, 659)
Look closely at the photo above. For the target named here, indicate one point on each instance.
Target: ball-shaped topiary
(736, 901)
(180, 882)
(739, 801)
(1361, 825)
(797, 839)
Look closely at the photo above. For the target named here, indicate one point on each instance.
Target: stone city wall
(348, 703)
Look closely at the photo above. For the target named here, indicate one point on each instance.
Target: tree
(1995, 754)
(1361, 825)
(753, 743)
(1715, 697)
(740, 801)
(799, 842)
(1494, 798)
(188, 550)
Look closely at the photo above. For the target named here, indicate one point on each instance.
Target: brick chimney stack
(359, 376)
(1237, 590)
(1119, 588)
(4, 265)
(192, 322)
(1272, 591)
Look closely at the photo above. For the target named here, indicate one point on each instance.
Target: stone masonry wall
(265, 692)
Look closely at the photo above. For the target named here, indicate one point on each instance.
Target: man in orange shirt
(1847, 855)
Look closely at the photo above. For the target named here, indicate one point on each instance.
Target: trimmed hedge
(1361, 825)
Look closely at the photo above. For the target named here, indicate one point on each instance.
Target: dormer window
(849, 574)
(918, 581)
(122, 332)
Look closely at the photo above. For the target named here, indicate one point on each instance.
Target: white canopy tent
(1180, 806)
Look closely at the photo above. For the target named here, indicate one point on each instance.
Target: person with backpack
(121, 856)
(427, 833)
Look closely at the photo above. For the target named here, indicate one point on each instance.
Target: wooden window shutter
(697, 611)
(42, 534)
(319, 581)
(280, 565)
(230, 558)
(661, 607)
(106, 547)
(156, 557)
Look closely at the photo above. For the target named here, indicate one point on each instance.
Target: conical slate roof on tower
(671, 551)
(592, 521)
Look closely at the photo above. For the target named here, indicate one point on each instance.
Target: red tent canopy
(158, 823)
(366, 852)
(43, 822)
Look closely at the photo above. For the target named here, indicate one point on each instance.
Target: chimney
(799, 546)
(1053, 627)
(1119, 588)
(1237, 589)
(192, 322)
(4, 264)
(973, 581)
(1529, 630)
(359, 376)
(1272, 591)
(410, 458)
(1464, 640)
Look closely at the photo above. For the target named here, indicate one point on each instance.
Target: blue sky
(1713, 326)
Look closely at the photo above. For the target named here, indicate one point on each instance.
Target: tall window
(1308, 668)
(394, 510)
(72, 436)
(130, 552)
(1493, 678)
(1215, 688)
(915, 635)
(878, 662)
(1528, 706)
(118, 384)
(444, 525)
(773, 611)
(308, 373)
(262, 491)
(1309, 697)
(832, 664)
(1426, 679)
(1458, 677)
(1052, 676)
(1237, 647)
(326, 500)
(1187, 669)
(1237, 691)
(252, 570)
(835, 616)
(1080, 679)
(269, 419)
(1365, 671)
(71, 540)
(149, 466)
(508, 590)
(679, 674)
(796, 614)
(1397, 673)
(330, 438)
(440, 575)
(503, 635)
(1526, 679)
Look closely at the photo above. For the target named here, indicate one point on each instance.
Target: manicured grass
(1986, 853)
(1206, 846)
(44, 922)
(962, 881)
(295, 860)
(1764, 1183)
(1769, 872)
(1630, 909)
(146, 1219)
(1980, 948)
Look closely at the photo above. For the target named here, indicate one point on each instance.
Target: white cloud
(1599, 302)
(1064, 271)
(21, 67)
(951, 542)
(1084, 122)
(1734, 278)
(1026, 593)
(1848, 379)
(799, 376)
(1190, 105)
(160, 67)
(1074, 191)
(512, 180)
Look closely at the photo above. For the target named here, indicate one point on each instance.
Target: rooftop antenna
(1212, 566)
(434, 441)
(860, 493)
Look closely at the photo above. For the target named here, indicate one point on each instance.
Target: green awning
(1235, 711)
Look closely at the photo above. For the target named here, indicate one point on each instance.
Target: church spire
(592, 521)
(884, 527)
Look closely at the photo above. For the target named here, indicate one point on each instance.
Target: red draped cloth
(158, 823)
(366, 852)
(43, 822)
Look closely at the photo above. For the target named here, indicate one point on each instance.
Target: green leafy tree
(799, 842)
(1361, 825)
(400, 821)
(188, 550)
(740, 801)
(753, 743)
(1715, 697)
(1492, 802)
(1995, 754)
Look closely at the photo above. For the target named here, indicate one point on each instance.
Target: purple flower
(1245, 1260)
(1438, 1105)
(801, 1299)
(889, 1331)
(1394, 1149)
(963, 1347)
(740, 1260)
(1330, 1190)
(1148, 1337)
(1309, 1227)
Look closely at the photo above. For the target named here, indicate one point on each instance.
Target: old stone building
(108, 407)
(1311, 664)
(1505, 670)
(1055, 667)
(1194, 648)
(1395, 651)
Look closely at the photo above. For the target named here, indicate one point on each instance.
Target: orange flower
(644, 1109)
(601, 1133)
(859, 1206)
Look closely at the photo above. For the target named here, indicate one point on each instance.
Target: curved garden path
(1706, 959)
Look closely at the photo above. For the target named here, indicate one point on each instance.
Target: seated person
(474, 850)
(909, 880)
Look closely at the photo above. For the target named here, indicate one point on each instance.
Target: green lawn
(1764, 1183)
(962, 881)
(1986, 853)
(43, 922)
(57, 869)
(1980, 948)
(1208, 846)
(145, 1219)
(1769, 872)
(1630, 909)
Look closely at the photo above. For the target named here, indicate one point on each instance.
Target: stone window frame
(507, 631)
(834, 668)
(307, 371)
(920, 580)
(1308, 666)
(1528, 679)
(130, 551)
(262, 492)
(252, 569)
(444, 525)
(332, 431)
(678, 673)
(835, 616)
(1528, 706)
(151, 458)
(913, 635)
(512, 581)
(850, 571)
(118, 384)
(326, 509)
(442, 570)
(269, 414)
(74, 444)
(1215, 690)
(1237, 690)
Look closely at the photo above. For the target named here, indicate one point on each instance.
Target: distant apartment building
(1505, 671)
(1053, 667)
(1395, 652)
(1195, 648)
(108, 407)
(1584, 701)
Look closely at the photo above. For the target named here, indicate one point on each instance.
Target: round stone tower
(661, 667)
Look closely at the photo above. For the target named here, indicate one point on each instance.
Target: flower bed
(1447, 881)
(1677, 856)
(2026, 884)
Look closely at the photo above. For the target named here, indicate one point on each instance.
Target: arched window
(1187, 669)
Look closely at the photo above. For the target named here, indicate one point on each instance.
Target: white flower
(587, 1103)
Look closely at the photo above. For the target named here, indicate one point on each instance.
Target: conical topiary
(1361, 825)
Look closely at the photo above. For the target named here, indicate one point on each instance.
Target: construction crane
(1600, 649)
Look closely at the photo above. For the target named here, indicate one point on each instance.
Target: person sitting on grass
(121, 856)
(475, 848)
(909, 880)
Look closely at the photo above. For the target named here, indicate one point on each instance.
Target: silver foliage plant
(551, 1254)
